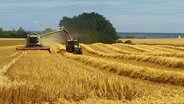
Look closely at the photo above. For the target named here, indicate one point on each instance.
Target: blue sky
(125, 15)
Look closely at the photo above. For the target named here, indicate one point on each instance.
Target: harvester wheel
(49, 51)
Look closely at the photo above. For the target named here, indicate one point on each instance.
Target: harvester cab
(33, 42)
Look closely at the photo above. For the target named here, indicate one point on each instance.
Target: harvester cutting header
(33, 42)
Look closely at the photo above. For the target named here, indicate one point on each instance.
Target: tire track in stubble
(4, 81)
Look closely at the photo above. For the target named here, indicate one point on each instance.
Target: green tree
(1, 33)
(91, 27)
(47, 30)
(12, 34)
(21, 33)
(1, 30)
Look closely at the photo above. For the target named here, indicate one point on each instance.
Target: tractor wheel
(80, 51)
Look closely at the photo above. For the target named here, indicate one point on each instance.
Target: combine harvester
(34, 42)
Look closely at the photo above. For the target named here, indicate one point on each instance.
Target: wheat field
(105, 74)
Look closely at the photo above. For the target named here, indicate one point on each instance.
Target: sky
(166, 16)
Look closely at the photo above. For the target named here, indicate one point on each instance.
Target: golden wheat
(133, 71)
(162, 49)
(6, 55)
(133, 47)
(143, 51)
(164, 61)
(61, 79)
(11, 41)
(97, 76)
(173, 47)
(164, 41)
(114, 48)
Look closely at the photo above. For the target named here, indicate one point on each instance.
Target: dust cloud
(57, 37)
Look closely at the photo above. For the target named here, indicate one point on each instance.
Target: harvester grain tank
(33, 42)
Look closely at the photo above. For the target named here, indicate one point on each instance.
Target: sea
(150, 35)
(142, 34)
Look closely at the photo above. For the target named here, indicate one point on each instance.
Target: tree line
(90, 28)
(20, 33)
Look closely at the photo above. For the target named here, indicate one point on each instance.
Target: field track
(114, 73)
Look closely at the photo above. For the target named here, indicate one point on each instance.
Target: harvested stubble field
(104, 74)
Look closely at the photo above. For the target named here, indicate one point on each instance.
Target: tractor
(73, 46)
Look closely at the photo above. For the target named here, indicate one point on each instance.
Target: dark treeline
(20, 33)
(90, 27)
